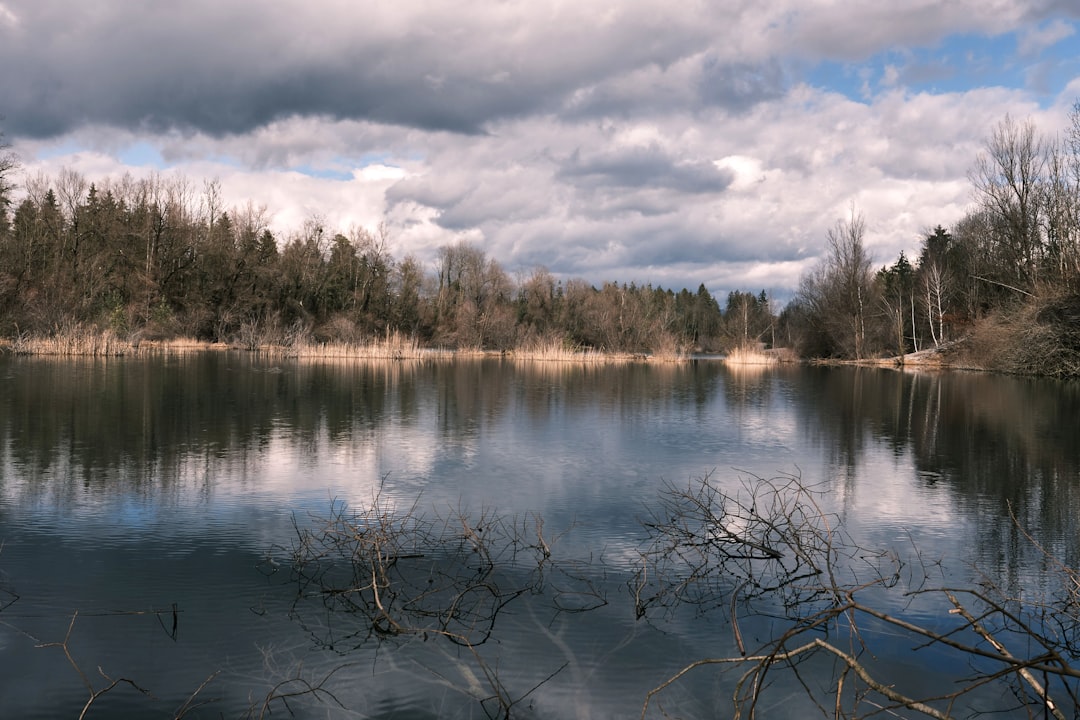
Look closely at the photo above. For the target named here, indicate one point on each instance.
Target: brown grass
(557, 351)
(86, 341)
(1040, 337)
(394, 346)
(89, 341)
(78, 340)
(751, 356)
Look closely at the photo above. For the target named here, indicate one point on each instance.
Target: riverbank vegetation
(113, 265)
(1000, 291)
(105, 266)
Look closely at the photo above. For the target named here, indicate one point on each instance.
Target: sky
(701, 142)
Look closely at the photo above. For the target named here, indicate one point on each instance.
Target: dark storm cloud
(618, 181)
(214, 95)
(680, 240)
(227, 68)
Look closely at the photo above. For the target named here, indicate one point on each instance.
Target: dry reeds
(90, 341)
(1040, 337)
(750, 356)
(557, 351)
(394, 346)
(78, 340)
(86, 341)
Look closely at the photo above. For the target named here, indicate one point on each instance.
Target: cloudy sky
(674, 143)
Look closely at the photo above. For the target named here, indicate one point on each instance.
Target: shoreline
(108, 345)
(951, 357)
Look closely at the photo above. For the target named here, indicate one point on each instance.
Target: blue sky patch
(141, 154)
(957, 64)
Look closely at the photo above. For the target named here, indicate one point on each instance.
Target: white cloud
(1034, 40)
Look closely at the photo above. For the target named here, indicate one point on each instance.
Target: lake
(153, 510)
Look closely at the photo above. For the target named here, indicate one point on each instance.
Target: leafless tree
(1007, 180)
(936, 290)
(1061, 203)
(840, 292)
(472, 299)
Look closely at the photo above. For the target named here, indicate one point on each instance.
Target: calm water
(136, 485)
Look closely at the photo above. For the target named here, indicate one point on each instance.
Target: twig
(183, 710)
(1008, 287)
(772, 659)
(1022, 671)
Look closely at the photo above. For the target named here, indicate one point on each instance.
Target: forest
(167, 257)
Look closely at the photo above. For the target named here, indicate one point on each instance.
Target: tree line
(162, 257)
(1005, 279)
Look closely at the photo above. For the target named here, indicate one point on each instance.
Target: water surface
(146, 484)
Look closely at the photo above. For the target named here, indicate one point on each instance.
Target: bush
(1040, 337)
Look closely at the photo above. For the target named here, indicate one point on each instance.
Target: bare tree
(536, 302)
(936, 290)
(897, 300)
(473, 299)
(1007, 179)
(840, 293)
(1061, 202)
(399, 574)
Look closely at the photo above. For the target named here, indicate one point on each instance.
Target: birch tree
(9, 163)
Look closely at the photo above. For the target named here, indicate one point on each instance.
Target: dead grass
(78, 340)
(84, 341)
(1041, 337)
(751, 356)
(89, 341)
(557, 351)
(394, 346)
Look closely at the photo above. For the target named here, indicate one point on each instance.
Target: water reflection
(994, 443)
(150, 481)
(197, 426)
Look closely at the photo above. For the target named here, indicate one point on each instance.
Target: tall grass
(750, 356)
(394, 346)
(1039, 337)
(90, 341)
(558, 351)
(78, 340)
